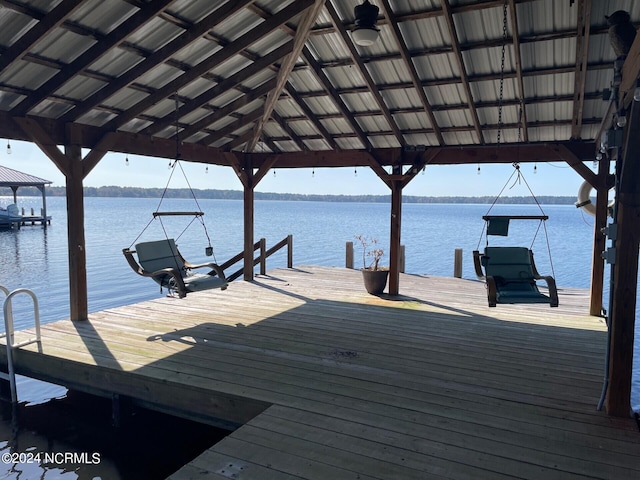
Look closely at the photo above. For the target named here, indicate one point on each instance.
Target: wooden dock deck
(329, 382)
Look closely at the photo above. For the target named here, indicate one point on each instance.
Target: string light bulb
(8, 148)
(126, 160)
(535, 168)
(478, 170)
(313, 172)
(424, 169)
(355, 172)
(206, 169)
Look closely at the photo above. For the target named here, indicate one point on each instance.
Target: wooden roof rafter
(335, 97)
(210, 62)
(291, 91)
(231, 82)
(371, 84)
(513, 15)
(413, 73)
(299, 41)
(110, 41)
(157, 57)
(582, 58)
(52, 20)
(455, 44)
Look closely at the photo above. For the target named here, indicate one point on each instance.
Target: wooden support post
(394, 255)
(75, 230)
(289, 251)
(263, 256)
(457, 263)
(348, 262)
(599, 240)
(402, 259)
(625, 277)
(248, 229)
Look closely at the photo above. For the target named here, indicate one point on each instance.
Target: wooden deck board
(334, 383)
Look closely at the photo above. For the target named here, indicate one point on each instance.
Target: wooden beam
(455, 44)
(41, 137)
(625, 276)
(97, 153)
(394, 241)
(333, 94)
(51, 21)
(220, 88)
(409, 65)
(311, 116)
(582, 59)
(221, 56)
(513, 16)
(368, 80)
(146, 12)
(302, 33)
(156, 58)
(78, 302)
(630, 73)
(232, 127)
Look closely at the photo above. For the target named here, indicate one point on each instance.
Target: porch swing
(162, 261)
(510, 273)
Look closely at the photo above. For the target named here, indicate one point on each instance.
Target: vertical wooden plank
(599, 240)
(348, 261)
(289, 251)
(394, 243)
(263, 256)
(623, 312)
(75, 231)
(457, 263)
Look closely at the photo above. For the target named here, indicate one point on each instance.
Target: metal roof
(14, 178)
(433, 78)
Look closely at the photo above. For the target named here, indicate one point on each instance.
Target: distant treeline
(139, 192)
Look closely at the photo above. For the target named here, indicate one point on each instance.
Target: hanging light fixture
(365, 34)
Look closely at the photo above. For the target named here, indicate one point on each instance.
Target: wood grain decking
(331, 383)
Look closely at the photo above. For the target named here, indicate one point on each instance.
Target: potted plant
(374, 276)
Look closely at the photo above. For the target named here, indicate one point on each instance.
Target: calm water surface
(36, 258)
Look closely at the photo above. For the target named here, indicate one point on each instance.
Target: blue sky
(551, 178)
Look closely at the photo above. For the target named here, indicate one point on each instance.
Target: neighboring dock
(327, 382)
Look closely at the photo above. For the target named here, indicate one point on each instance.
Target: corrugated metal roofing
(118, 64)
(12, 178)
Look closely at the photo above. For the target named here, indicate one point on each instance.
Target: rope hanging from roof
(198, 214)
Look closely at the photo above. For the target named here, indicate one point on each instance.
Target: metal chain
(504, 44)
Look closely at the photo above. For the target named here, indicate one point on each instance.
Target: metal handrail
(7, 310)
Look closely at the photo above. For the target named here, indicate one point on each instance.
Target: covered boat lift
(14, 179)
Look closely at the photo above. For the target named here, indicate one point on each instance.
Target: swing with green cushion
(162, 261)
(510, 273)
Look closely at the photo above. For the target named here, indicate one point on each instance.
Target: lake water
(36, 258)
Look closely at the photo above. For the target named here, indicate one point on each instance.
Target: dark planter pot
(375, 280)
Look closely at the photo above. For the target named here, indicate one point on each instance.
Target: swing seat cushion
(162, 261)
(511, 277)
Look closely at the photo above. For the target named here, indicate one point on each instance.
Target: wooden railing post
(349, 256)
(263, 256)
(401, 259)
(290, 251)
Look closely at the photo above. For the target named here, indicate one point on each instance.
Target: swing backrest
(159, 254)
(511, 264)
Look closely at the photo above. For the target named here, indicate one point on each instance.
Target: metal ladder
(7, 309)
